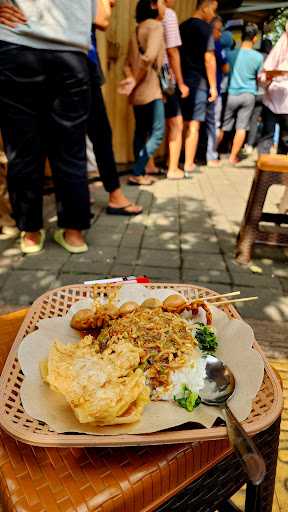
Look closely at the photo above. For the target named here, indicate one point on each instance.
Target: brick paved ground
(186, 233)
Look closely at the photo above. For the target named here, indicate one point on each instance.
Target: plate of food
(126, 367)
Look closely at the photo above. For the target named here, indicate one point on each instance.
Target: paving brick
(73, 278)
(23, 287)
(160, 274)
(111, 221)
(255, 280)
(269, 306)
(51, 258)
(199, 242)
(87, 267)
(163, 240)
(119, 270)
(197, 227)
(155, 258)
(127, 255)
(206, 276)
(203, 261)
(109, 237)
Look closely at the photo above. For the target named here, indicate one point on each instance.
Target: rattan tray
(266, 407)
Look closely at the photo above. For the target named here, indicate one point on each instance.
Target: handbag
(167, 84)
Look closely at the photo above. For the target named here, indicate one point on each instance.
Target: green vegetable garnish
(206, 338)
(189, 401)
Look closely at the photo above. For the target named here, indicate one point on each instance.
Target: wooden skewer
(220, 296)
(246, 299)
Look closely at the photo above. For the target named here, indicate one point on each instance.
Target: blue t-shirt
(245, 66)
(221, 60)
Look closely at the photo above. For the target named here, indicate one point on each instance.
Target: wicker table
(194, 477)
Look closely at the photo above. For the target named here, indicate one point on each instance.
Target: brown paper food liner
(235, 350)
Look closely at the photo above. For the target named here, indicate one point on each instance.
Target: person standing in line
(142, 85)
(214, 109)
(44, 104)
(245, 63)
(99, 129)
(256, 117)
(199, 72)
(275, 109)
(173, 114)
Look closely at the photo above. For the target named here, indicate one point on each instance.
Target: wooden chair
(271, 170)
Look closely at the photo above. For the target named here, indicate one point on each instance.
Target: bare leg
(220, 136)
(191, 144)
(175, 128)
(238, 143)
(150, 167)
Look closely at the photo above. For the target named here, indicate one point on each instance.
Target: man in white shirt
(44, 102)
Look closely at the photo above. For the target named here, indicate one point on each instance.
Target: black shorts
(172, 105)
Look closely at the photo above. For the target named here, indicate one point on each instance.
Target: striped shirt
(171, 31)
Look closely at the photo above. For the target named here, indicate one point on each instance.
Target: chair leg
(249, 227)
(260, 499)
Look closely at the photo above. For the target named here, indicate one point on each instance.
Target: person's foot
(214, 164)
(177, 174)
(74, 237)
(32, 242)
(127, 209)
(188, 171)
(141, 180)
(71, 240)
(31, 239)
(117, 199)
(248, 150)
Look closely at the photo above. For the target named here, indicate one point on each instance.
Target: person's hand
(11, 16)
(213, 95)
(126, 86)
(184, 89)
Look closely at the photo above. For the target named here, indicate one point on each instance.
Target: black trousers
(100, 133)
(269, 122)
(44, 104)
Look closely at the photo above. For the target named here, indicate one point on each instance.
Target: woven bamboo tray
(267, 405)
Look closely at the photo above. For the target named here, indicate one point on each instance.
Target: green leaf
(206, 338)
(190, 401)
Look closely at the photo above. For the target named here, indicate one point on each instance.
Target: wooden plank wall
(113, 48)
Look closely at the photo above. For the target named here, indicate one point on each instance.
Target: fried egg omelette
(102, 388)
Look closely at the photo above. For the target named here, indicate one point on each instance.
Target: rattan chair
(271, 170)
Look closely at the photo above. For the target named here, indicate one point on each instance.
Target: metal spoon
(219, 385)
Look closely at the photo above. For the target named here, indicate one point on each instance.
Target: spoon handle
(245, 449)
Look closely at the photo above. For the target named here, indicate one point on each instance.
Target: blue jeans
(149, 133)
(211, 121)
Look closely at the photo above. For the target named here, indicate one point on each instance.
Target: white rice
(189, 376)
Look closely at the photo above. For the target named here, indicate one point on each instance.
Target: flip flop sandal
(110, 210)
(138, 184)
(32, 249)
(73, 249)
